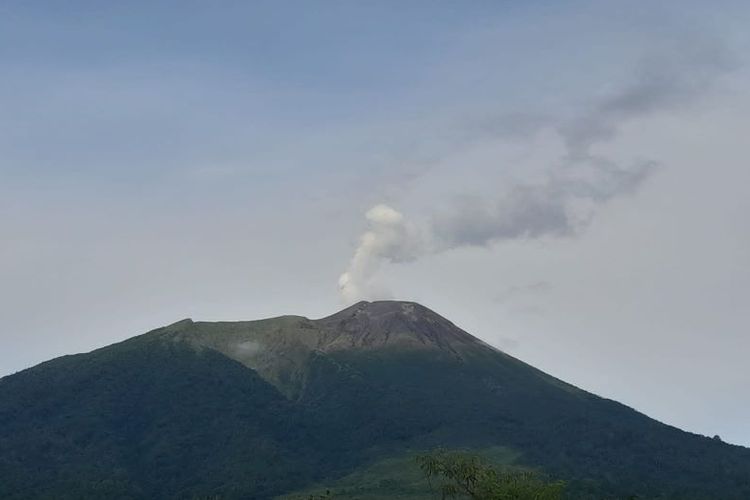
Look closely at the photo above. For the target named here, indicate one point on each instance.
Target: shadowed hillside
(260, 408)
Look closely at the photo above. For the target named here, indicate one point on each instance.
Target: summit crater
(391, 323)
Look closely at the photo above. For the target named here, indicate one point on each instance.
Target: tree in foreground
(460, 475)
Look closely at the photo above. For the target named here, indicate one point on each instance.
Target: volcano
(258, 409)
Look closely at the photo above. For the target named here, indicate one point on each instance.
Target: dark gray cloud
(544, 209)
(571, 188)
(527, 212)
(662, 82)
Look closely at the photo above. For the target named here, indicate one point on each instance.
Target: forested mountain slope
(260, 408)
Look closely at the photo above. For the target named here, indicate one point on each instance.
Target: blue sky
(568, 179)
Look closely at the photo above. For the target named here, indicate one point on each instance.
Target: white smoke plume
(388, 239)
(563, 202)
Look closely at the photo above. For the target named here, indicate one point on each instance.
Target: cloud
(248, 349)
(665, 80)
(512, 293)
(562, 201)
(662, 82)
(525, 212)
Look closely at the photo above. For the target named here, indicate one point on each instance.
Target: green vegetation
(166, 415)
(393, 477)
(462, 475)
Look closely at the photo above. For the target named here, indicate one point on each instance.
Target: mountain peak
(392, 323)
(382, 308)
(279, 348)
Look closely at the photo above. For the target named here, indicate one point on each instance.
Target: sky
(566, 180)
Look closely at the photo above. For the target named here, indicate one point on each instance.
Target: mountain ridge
(260, 408)
(278, 347)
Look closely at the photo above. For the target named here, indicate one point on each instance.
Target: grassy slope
(393, 477)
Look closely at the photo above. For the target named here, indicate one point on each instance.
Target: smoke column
(564, 201)
(388, 239)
